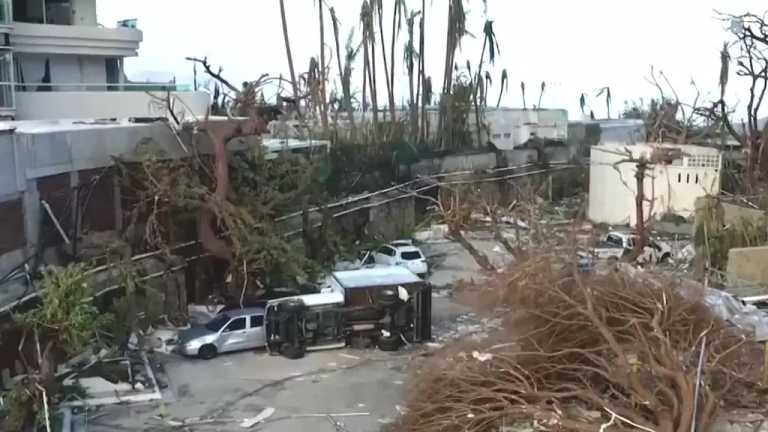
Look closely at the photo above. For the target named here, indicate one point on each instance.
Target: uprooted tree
(63, 326)
(587, 351)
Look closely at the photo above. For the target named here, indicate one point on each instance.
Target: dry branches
(593, 346)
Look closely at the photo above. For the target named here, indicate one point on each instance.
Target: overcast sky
(574, 46)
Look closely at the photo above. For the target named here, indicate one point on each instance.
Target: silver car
(233, 330)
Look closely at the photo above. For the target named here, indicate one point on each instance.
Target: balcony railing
(123, 87)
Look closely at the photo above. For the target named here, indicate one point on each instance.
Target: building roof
(376, 276)
(48, 126)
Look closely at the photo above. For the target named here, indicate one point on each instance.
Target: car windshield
(614, 240)
(217, 323)
(410, 255)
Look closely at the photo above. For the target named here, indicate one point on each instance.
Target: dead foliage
(593, 350)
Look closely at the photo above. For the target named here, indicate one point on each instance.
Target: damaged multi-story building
(68, 108)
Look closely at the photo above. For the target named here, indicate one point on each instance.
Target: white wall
(671, 188)
(93, 105)
(84, 12)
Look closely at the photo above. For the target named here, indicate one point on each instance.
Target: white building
(677, 176)
(58, 62)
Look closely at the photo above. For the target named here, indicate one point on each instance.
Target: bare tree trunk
(422, 76)
(480, 258)
(288, 53)
(640, 228)
(372, 81)
(498, 235)
(475, 90)
(390, 90)
(395, 13)
(323, 78)
(220, 134)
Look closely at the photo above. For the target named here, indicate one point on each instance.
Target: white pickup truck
(617, 244)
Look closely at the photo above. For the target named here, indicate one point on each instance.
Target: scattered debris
(596, 342)
(263, 415)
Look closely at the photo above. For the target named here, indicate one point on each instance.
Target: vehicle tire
(291, 306)
(391, 343)
(292, 352)
(207, 351)
(387, 297)
(665, 258)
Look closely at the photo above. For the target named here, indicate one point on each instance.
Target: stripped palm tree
(323, 78)
(457, 29)
(541, 94)
(378, 10)
(522, 91)
(409, 54)
(504, 86)
(422, 83)
(369, 54)
(607, 92)
(492, 46)
(400, 10)
(343, 76)
(288, 53)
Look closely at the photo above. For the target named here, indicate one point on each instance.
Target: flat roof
(48, 126)
(376, 276)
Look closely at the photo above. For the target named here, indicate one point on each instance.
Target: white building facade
(57, 62)
(676, 177)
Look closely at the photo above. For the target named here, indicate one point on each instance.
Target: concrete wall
(453, 163)
(75, 40)
(749, 264)
(84, 12)
(92, 105)
(391, 220)
(672, 188)
(65, 69)
(733, 213)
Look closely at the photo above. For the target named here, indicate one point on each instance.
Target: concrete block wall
(749, 265)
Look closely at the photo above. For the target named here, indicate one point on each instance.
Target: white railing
(154, 87)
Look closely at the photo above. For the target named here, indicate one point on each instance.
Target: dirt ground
(365, 389)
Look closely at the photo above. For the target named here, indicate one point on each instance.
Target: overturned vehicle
(384, 306)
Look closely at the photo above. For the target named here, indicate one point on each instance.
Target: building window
(687, 178)
(42, 11)
(7, 99)
(704, 161)
(5, 12)
(679, 177)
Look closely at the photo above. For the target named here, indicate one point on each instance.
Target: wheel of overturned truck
(207, 352)
(390, 343)
(292, 351)
(291, 306)
(387, 297)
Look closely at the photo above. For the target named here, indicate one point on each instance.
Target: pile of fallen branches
(635, 352)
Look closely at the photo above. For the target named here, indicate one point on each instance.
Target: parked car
(233, 330)
(617, 244)
(403, 253)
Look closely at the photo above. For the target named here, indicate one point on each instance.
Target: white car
(403, 253)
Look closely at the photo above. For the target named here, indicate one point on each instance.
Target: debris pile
(631, 351)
